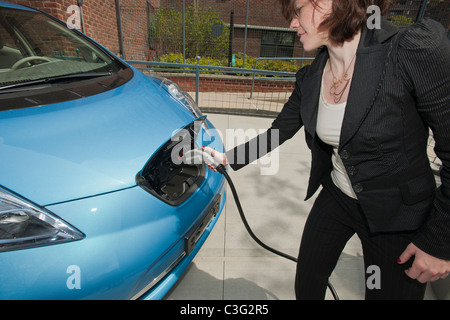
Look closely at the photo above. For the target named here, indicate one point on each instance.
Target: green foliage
(269, 65)
(166, 29)
(400, 20)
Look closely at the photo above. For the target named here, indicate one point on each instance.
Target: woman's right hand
(219, 157)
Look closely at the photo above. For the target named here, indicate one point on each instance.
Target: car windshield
(34, 47)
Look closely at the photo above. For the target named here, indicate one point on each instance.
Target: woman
(367, 103)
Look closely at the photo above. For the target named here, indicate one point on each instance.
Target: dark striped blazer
(400, 89)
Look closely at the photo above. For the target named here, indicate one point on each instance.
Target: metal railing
(263, 58)
(238, 94)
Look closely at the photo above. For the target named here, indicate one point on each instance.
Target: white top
(329, 124)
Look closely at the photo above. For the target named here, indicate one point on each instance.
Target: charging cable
(195, 155)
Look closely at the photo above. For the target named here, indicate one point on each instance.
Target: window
(36, 47)
(277, 43)
(396, 12)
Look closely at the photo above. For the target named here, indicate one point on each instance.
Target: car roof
(5, 4)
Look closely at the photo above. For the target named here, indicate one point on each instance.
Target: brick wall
(52, 7)
(101, 23)
(220, 83)
(135, 28)
(100, 18)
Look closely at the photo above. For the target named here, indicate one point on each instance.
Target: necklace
(334, 90)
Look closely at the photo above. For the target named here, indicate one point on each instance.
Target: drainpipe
(231, 39)
(119, 22)
(245, 34)
(80, 4)
(184, 31)
(423, 8)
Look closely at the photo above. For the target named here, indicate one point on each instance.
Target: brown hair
(346, 19)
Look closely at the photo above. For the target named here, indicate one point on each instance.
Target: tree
(167, 30)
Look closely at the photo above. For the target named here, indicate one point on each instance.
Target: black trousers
(333, 220)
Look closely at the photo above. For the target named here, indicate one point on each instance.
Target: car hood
(90, 146)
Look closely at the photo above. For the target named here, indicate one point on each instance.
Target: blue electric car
(97, 198)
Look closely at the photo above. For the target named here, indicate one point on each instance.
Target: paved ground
(231, 265)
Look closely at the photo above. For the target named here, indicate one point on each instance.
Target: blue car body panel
(105, 138)
(125, 247)
(79, 160)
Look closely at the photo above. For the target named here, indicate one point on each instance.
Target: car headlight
(178, 94)
(25, 225)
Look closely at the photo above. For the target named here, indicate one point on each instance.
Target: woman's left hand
(425, 267)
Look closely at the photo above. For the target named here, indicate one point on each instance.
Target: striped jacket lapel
(369, 66)
(371, 62)
(310, 90)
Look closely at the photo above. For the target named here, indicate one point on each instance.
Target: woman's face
(307, 20)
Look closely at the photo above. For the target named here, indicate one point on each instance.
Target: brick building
(100, 17)
(122, 26)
